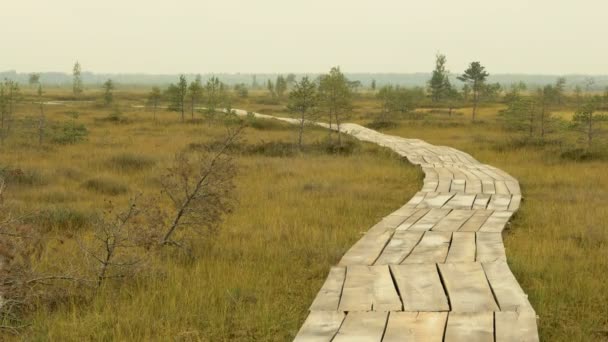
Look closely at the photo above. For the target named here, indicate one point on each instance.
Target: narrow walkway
(433, 270)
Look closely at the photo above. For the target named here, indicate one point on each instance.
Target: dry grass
(295, 217)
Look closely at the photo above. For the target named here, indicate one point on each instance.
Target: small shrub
(272, 149)
(268, 101)
(381, 124)
(266, 125)
(62, 218)
(130, 162)
(347, 147)
(69, 133)
(105, 186)
(582, 154)
(23, 177)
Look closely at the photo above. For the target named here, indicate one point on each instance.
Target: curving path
(433, 270)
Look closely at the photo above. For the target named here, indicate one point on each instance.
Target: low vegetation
(159, 215)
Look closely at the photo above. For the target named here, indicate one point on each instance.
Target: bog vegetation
(161, 214)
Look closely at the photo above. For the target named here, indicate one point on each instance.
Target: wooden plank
(429, 186)
(357, 293)
(460, 201)
(515, 203)
(320, 326)
(506, 289)
(490, 247)
(488, 187)
(393, 221)
(476, 221)
(481, 201)
(420, 287)
(385, 296)
(362, 327)
(444, 185)
(415, 326)
(435, 200)
(496, 222)
(415, 201)
(328, 297)
(470, 327)
(379, 229)
(432, 248)
(513, 186)
(412, 219)
(458, 185)
(399, 247)
(501, 188)
(473, 186)
(499, 202)
(429, 220)
(467, 287)
(462, 248)
(404, 211)
(453, 221)
(366, 250)
(516, 326)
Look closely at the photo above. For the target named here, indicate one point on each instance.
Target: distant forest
(600, 82)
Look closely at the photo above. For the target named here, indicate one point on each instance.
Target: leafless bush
(200, 186)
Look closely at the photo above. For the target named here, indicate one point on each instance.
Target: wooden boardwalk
(434, 269)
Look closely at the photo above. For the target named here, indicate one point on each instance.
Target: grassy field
(296, 214)
(557, 245)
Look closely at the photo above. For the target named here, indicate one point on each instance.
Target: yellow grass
(295, 217)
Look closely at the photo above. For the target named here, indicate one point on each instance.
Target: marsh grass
(296, 215)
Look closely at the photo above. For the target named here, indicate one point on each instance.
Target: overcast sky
(201, 36)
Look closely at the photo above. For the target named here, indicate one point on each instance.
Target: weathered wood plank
(467, 287)
(473, 186)
(385, 296)
(366, 250)
(481, 201)
(320, 326)
(458, 185)
(412, 219)
(462, 248)
(516, 326)
(488, 187)
(506, 289)
(496, 222)
(490, 247)
(444, 185)
(420, 287)
(433, 248)
(513, 186)
(429, 220)
(476, 221)
(435, 200)
(415, 326)
(328, 297)
(515, 203)
(501, 188)
(499, 202)
(399, 247)
(416, 200)
(429, 186)
(470, 327)
(362, 327)
(357, 293)
(453, 221)
(460, 201)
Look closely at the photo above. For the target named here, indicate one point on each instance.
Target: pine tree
(439, 84)
(475, 75)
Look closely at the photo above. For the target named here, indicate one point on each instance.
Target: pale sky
(202, 36)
